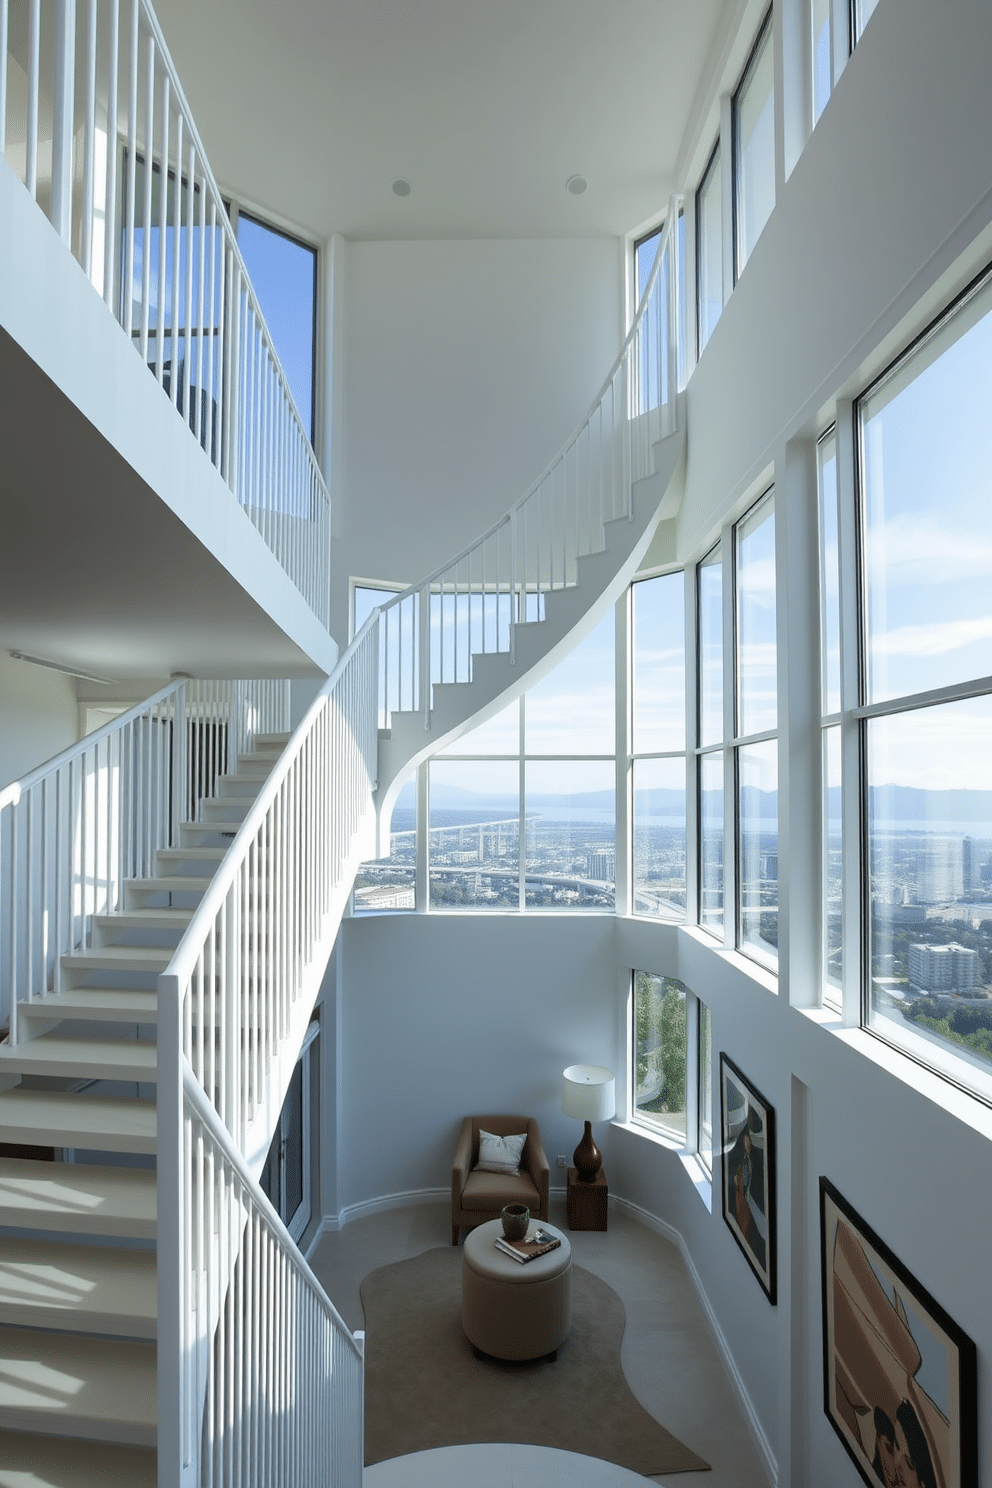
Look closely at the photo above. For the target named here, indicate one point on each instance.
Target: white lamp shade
(587, 1092)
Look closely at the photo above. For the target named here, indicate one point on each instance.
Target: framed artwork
(899, 1376)
(747, 1131)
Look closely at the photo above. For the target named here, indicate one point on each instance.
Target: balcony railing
(94, 123)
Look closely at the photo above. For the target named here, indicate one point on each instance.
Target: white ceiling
(311, 108)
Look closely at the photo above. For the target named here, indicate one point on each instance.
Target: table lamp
(587, 1092)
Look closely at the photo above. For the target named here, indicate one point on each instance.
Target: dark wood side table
(587, 1202)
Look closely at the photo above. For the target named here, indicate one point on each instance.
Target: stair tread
(130, 1006)
(98, 1123)
(82, 1288)
(74, 1386)
(90, 1058)
(77, 1198)
(55, 1462)
(95, 954)
(165, 916)
(171, 883)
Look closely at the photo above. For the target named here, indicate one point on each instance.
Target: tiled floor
(668, 1356)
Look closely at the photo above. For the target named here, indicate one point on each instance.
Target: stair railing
(108, 149)
(472, 604)
(234, 1005)
(73, 831)
(277, 1376)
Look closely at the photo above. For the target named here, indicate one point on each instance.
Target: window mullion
(731, 845)
(852, 852)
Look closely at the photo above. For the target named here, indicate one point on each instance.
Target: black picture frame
(748, 1159)
(899, 1376)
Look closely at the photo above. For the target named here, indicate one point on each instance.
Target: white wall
(38, 716)
(466, 365)
(451, 1015)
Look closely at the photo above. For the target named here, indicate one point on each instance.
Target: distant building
(943, 968)
(602, 865)
(940, 871)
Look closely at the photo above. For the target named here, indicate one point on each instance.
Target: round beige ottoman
(514, 1311)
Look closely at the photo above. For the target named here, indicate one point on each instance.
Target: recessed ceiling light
(401, 187)
(576, 185)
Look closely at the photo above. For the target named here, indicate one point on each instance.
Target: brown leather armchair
(475, 1196)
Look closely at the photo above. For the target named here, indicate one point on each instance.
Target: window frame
(713, 162)
(235, 211)
(939, 1058)
(739, 742)
(763, 37)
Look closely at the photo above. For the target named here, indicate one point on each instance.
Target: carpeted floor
(425, 1388)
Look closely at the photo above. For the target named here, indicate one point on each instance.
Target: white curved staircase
(567, 613)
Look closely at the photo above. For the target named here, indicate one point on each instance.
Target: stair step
(62, 1385)
(270, 741)
(170, 883)
(191, 854)
(154, 917)
(80, 1059)
(102, 1004)
(34, 1461)
(228, 827)
(237, 785)
(118, 958)
(223, 808)
(77, 1288)
(96, 1123)
(77, 1198)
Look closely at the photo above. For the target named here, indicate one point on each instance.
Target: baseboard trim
(661, 1227)
(331, 1223)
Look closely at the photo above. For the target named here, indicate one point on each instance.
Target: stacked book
(536, 1243)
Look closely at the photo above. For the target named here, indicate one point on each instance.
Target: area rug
(424, 1386)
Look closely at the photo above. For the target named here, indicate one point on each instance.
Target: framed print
(899, 1376)
(747, 1126)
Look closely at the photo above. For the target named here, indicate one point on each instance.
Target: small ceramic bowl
(516, 1218)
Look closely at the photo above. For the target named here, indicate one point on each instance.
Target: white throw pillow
(500, 1154)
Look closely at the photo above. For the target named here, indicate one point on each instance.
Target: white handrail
(234, 1004)
(164, 256)
(474, 602)
(273, 1380)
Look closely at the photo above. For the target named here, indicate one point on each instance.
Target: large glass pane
(390, 883)
(645, 253)
(473, 834)
(573, 710)
(659, 838)
(705, 1087)
(659, 664)
(927, 453)
(833, 863)
(930, 880)
(709, 248)
(710, 622)
(757, 673)
(820, 60)
(660, 1052)
(757, 816)
(284, 276)
(754, 144)
(711, 840)
(826, 464)
(863, 12)
(571, 858)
